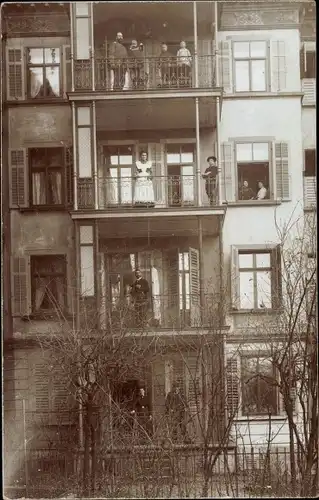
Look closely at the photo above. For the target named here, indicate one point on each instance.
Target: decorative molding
(26, 25)
(265, 17)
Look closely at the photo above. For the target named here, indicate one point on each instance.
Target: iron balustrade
(147, 73)
(119, 192)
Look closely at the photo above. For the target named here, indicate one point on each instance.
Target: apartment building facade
(77, 120)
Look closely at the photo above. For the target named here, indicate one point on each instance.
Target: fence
(155, 471)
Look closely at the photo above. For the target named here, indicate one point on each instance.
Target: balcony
(310, 192)
(173, 191)
(147, 74)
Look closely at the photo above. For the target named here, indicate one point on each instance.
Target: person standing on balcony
(140, 292)
(143, 189)
(143, 414)
(210, 176)
(175, 410)
(118, 62)
(184, 64)
(166, 66)
(136, 65)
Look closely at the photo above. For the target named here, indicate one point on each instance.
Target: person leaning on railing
(210, 176)
(118, 62)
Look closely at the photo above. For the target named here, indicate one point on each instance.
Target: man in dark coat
(143, 414)
(167, 67)
(210, 176)
(175, 409)
(136, 64)
(118, 61)
(140, 294)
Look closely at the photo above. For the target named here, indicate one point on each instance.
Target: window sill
(253, 203)
(259, 418)
(255, 312)
(46, 208)
(47, 317)
(263, 94)
(31, 102)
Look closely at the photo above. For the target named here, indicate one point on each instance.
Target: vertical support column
(72, 33)
(83, 54)
(198, 158)
(219, 185)
(94, 155)
(201, 263)
(75, 153)
(217, 79)
(97, 279)
(92, 45)
(86, 159)
(195, 44)
(221, 275)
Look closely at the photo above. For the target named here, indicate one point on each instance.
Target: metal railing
(147, 73)
(128, 192)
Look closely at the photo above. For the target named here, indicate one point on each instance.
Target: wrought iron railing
(158, 192)
(147, 73)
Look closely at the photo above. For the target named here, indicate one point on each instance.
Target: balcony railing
(310, 192)
(165, 311)
(125, 192)
(149, 73)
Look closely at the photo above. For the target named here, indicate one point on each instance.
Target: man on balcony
(210, 176)
(140, 291)
(136, 64)
(166, 67)
(118, 62)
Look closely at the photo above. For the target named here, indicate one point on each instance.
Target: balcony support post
(198, 159)
(94, 144)
(222, 290)
(97, 270)
(92, 46)
(72, 45)
(201, 264)
(195, 44)
(217, 152)
(75, 149)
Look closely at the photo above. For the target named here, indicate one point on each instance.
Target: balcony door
(180, 163)
(117, 184)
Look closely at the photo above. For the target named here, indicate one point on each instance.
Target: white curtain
(56, 187)
(38, 188)
(156, 294)
(187, 181)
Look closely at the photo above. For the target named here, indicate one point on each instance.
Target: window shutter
(278, 66)
(20, 286)
(302, 62)
(308, 88)
(158, 389)
(193, 380)
(60, 397)
(234, 276)
(293, 398)
(68, 162)
(103, 291)
(282, 171)
(194, 286)
(155, 153)
(15, 74)
(227, 172)
(224, 66)
(42, 388)
(232, 383)
(67, 83)
(172, 288)
(206, 67)
(276, 291)
(18, 178)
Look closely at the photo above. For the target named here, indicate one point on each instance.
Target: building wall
(308, 120)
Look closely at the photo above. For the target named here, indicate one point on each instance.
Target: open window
(48, 283)
(180, 159)
(253, 170)
(259, 388)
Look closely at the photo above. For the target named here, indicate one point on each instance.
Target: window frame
(270, 173)
(306, 153)
(44, 66)
(180, 164)
(275, 374)
(118, 167)
(46, 169)
(33, 277)
(249, 59)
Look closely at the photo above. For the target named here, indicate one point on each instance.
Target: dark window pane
(310, 65)
(310, 162)
(52, 74)
(249, 177)
(55, 188)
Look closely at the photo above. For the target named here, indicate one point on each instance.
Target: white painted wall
(308, 120)
(292, 47)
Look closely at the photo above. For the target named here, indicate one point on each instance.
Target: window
(120, 161)
(180, 170)
(250, 60)
(48, 281)
(47, 176)
(44, 78)
(259, 391)
(257, 279)
(308, 64)
(310, 163)
(252, 160)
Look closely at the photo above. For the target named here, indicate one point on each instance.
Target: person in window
(175, 410)
(136, 64)
(143, 189)
(166, 66)
(262, 191)
(140, 293)
(246, 193)
(210, 176)
(118, 62)
(143, 414)
(184, 62)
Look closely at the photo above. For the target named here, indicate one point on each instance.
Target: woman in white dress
(143, 189)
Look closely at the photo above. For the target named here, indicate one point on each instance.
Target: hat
(211, 158)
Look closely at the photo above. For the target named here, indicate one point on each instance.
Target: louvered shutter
(224, 58)
(15, 74)
(60, 397)
(67, 83)
(194, 286)
(232, 382)
(158, 396)
(20, 286)
(227, 176)
(276, 282)
(308, 87)
(282, 170)
(278, 66)
(18, 178)
(42, 388)
(155, 153)
(102, 307)
(234, 277)
(193, 377)
(302, 62)
(172, 293)
(206, 70)
(68, 161)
